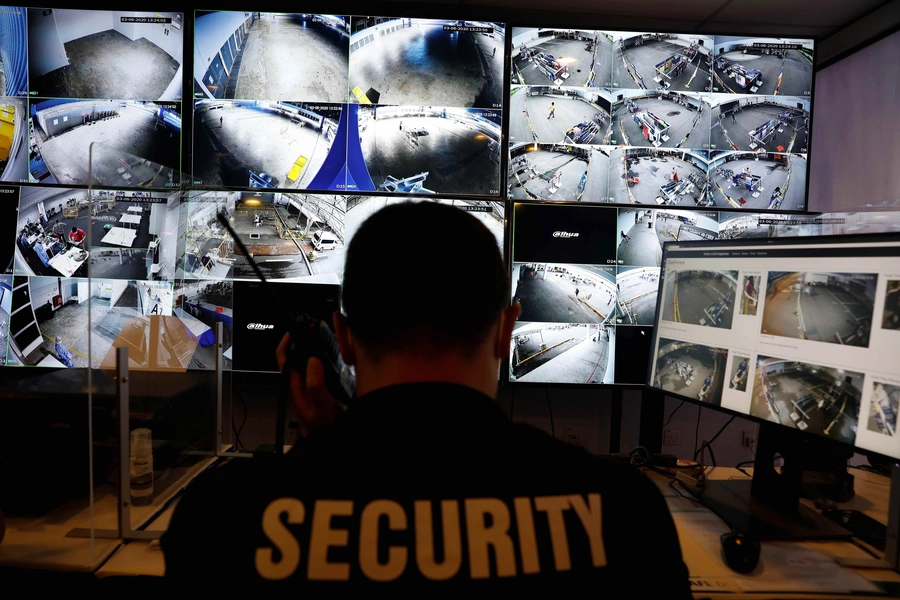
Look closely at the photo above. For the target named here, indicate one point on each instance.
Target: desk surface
(130, 218)
(41, 542)
(120, 236)
(66, 264)
(803, 569)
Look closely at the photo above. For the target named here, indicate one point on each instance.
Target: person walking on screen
(62, 353)
(220, 121)
(625, 236)
(552, 114)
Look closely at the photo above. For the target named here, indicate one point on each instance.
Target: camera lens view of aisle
(576, 54)
(643, 244)
(824, 307)
(534, 174)
(694, 76)
(638, 288)
(529, 113)
(691, 370)
(795, 70)
(578, 295)
(423, 64)
(132, 146)
(648, 180)
(812, 398)
(700, 298)
(458, 157)
(290, 56)
(790, 132)
(545, 353)
(683, 121)
(230, 142)
(787, 172)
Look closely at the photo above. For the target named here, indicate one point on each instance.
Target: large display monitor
(656, 118)
(338, 103)
(799, 334)
(586, 278)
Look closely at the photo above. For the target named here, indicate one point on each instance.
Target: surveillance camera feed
(652, 118)
(111, 79)
(337, 103)
(800, 333)
(586, 303)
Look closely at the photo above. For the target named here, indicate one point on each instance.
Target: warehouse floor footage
(575, 353)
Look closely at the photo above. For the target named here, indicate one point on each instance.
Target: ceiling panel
(818, 18)
(812, 13)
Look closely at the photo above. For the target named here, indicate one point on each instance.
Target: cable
(672, 414)
(707, 445)
(550, 409)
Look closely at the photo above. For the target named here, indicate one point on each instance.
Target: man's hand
(316, 408)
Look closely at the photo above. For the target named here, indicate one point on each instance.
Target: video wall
(298, 126)
(661, 119)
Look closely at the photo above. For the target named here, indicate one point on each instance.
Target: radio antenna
(222, 216)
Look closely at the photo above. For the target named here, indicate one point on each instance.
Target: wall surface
(855, 149)
(45, 48)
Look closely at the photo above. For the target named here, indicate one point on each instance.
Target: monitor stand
(768, 506)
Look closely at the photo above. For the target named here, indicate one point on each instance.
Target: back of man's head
(423, 277)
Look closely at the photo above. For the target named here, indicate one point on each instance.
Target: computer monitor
(799, 334)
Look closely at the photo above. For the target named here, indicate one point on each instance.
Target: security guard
(424, 485)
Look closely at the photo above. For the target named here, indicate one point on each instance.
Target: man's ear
(344, 337)
(508, 318)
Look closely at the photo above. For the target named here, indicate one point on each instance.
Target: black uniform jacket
(428, 489)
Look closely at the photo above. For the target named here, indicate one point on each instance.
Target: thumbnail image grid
(814, 398)
(111, 78)
(825, 307)
(337, 103)
(689, 369)
(643, 108)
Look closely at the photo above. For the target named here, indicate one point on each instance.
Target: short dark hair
(74, 229)
(423, 274)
